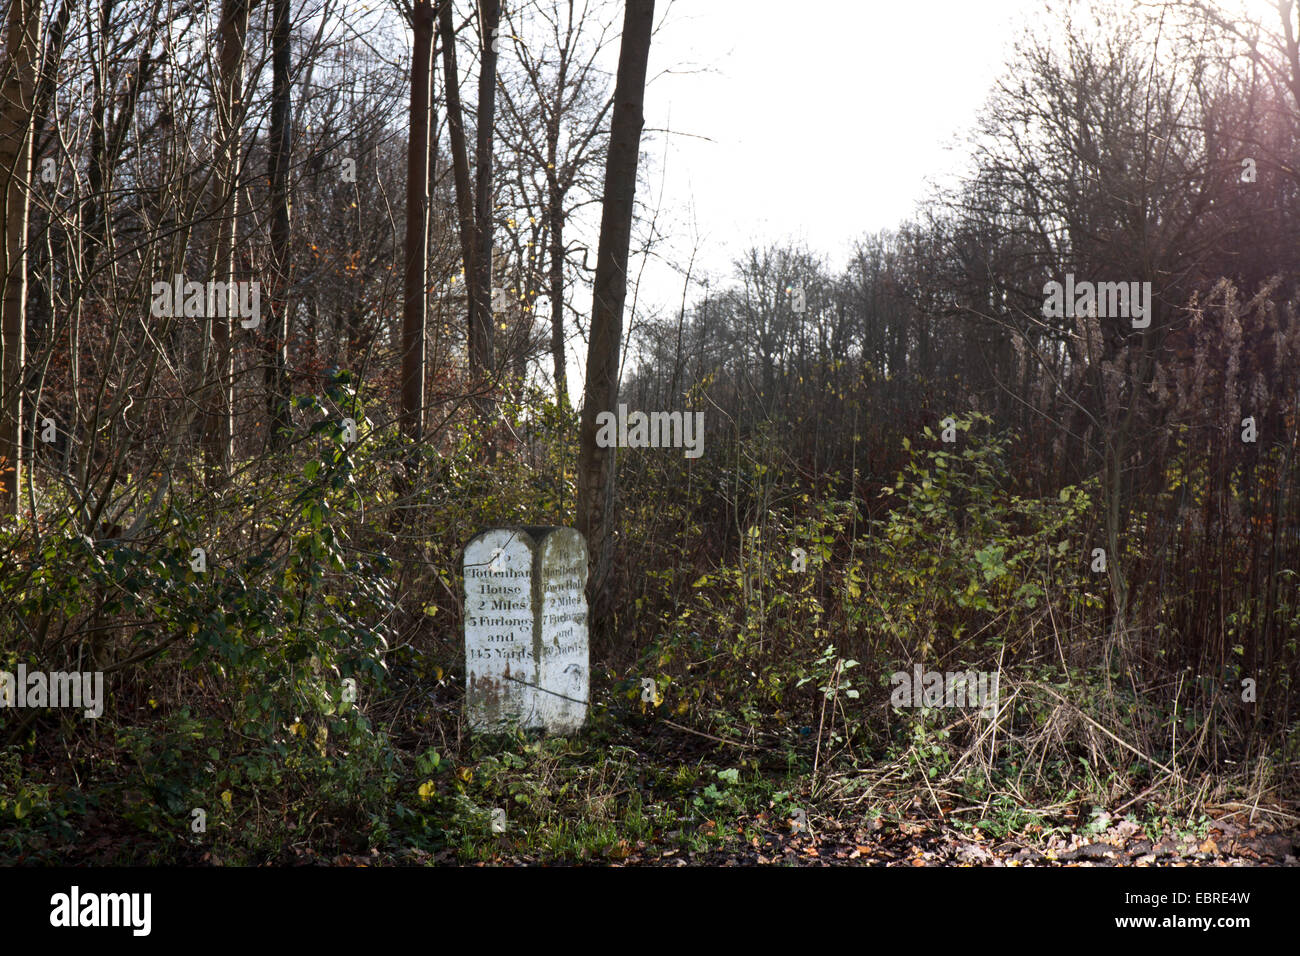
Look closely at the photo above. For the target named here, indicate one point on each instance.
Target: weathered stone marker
(526, 658)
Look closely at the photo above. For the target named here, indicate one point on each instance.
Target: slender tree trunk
(98, 165)
(434, 229)
(16, 105)
(277, 333)
(459, 162)
(596, 465)
(556, 230)
(414, 313)
(57, 35)
(218, 429)
(481, 342)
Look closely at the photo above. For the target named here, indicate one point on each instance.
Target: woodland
(299, 296)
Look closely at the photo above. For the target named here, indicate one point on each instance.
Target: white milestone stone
(526, 651)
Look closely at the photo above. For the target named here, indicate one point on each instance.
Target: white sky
(805, 121)
(824, 118)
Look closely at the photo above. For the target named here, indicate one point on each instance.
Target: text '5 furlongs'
(197, 300)
(655, 430)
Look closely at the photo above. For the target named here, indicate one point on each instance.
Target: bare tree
(218, 419)
(16, 107)
(460, 170)
(417, 232)
(557, 116)
(475, 206)
(596, 484)
(281, 152)
(482, 360)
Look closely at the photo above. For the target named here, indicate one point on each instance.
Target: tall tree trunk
(277, 333)
(556, 229)
(99, 166)
(481, 345)
(459, 163)
(218, 426)
(45, 86)
(16, 105)
(596, 465)
(417, 210)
